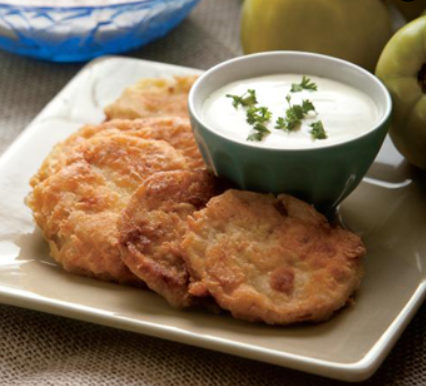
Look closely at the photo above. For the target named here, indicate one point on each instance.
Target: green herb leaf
(256, 137)
(288, 99)
(261, 132)
(258, 115)
(305, 84)
(307, 106)
(293, 124)
(318, 131)
(296, 112)
(261, 128)
(247, 99)
(294, 115)
(281, 123)
(290, 123)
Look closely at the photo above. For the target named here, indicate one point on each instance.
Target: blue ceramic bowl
(62, 31)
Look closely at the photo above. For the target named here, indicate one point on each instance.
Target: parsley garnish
(306, 84)
(307, 106)
(260, 127)
(258, 115)
(288, 99)
(294, 115)
(256, 137)
(261, 132)
(281, 123)
(247, 99)
(318, 131)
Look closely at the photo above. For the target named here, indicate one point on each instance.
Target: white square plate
(388, 209)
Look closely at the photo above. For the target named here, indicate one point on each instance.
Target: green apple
(355, 30)
(402, 68)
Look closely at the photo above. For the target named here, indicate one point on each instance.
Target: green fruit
(402, 68)
(355, 30)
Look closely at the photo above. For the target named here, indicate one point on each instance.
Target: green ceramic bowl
(321, 176)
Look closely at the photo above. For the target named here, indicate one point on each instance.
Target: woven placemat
(38, 349)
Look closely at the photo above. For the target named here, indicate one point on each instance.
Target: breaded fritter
(152, 227)
(174, 130)
(78, 207)
(271, 259)
(153, 98)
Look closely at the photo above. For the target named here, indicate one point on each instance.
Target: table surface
(40, 349)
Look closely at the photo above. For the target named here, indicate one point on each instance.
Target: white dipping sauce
(345, 111)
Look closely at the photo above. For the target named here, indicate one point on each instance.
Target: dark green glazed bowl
(321, 176)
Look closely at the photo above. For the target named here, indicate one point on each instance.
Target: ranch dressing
(345, 111)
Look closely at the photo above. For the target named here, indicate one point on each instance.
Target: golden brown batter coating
(78, 207)
(153, 225)
(174, 130)
(153, 98)
(271, 259)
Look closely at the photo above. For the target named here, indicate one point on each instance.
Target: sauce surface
(346, 112)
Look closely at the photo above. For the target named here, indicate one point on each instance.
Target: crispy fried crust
(173, 130)
(152, 227)
(271, 259)
(176, 131)
(79, 206)
(153, 98)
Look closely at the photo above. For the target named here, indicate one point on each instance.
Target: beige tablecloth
(38, 349)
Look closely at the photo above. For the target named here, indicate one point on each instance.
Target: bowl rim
(303, 56)
(28, 5)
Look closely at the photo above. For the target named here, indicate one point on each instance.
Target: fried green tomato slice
(153, 225)
(173, 130)
(271, 259)
(153, 97)
(78, 207)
